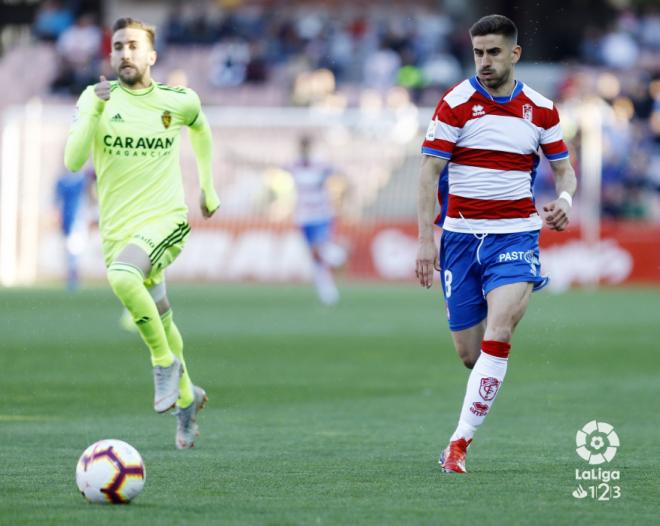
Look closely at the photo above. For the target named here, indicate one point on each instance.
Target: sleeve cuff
(556, 156)
(212, 201)
(436, 153)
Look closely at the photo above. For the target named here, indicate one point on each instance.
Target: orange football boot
(452, 459)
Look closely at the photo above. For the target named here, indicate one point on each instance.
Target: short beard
(133, 79)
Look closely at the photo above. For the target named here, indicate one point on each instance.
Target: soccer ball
(110, 471)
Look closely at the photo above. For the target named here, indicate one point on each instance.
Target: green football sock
(127, 283)
(176, 344)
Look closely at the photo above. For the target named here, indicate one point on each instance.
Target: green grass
(327, 416)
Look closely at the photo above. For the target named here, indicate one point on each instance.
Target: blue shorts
(317, 234)
(473, 266)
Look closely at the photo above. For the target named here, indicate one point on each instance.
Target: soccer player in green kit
(132, 126)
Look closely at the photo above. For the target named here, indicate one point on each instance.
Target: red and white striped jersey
(313, 203)
(492, 146)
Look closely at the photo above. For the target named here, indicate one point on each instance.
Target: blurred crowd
(377, 48)
(310, 49)
(618, 81)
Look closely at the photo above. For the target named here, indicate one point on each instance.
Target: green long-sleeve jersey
(134, 138)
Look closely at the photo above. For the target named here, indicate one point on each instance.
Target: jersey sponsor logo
(166, 118)
(489, 387)
(527, 112)
(479, 409)
(116, 118)
(137, 146)
(148, 143)
(478, 110)
(518, 255)
(528, 257)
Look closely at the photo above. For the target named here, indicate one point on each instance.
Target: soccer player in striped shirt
(480, 159)
(132, 127)
(314, 215)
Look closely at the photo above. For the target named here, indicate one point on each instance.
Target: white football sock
(483, 385)
(325, 284)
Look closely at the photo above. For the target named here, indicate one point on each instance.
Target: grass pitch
(328, 416)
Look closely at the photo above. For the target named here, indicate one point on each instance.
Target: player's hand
(427, 262)
(102, 89)
(557, 214)
(202, 205)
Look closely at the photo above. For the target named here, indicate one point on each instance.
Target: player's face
(131, 55)
(494, 58)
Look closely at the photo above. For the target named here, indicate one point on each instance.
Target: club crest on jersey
(478, 110)
(488, 388)
(166, 117)
(527, 112)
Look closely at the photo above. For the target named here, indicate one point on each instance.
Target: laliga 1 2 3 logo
(597, 442)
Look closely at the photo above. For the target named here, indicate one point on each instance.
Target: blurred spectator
(381, 68)
(442, 69)
(649, 28)
(175, 28)
(229, 62)
(52, 19)
(256, 70)
(78, 52)
(80, 44)
(619, 50)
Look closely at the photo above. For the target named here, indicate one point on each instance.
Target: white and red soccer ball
(110, 471)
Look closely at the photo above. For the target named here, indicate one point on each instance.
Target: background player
(314, 215)
(132, 126)
(484, 138)
(71, 190)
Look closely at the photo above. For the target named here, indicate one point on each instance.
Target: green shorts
(162, 239)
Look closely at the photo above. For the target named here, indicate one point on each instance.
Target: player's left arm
(202, 144)
(558, 211)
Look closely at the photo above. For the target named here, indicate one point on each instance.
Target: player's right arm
(88, 111)
(438, 146)
(427, 190)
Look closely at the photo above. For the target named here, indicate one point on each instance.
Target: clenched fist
(557, 214)
(102, 89)
(206, 211)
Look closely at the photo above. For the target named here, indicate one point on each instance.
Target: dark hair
(495, 25)
(123, 23)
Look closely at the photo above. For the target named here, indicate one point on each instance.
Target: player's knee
(316, 254)
(469, 358)
(163, 305)
(123, 281)
(158, 293)
(469, 361)
(468, 355)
